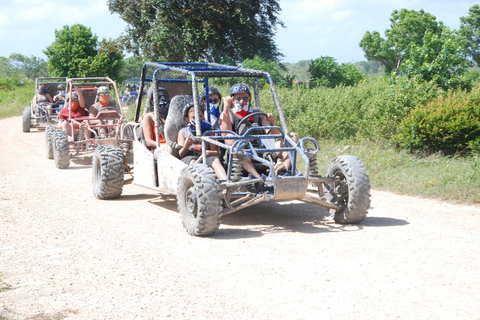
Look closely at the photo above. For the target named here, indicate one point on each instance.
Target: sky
(313, 28)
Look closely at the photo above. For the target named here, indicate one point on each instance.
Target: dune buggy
(105, 129)
(202, 199)
(42, 114)
(129, 93)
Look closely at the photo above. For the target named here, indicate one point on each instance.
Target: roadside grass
(14, 101)
(455, 179)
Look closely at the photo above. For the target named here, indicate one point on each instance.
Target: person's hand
(227, 103)
(189, 141)
(271, 118)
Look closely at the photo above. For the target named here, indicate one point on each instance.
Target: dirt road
(65, 254)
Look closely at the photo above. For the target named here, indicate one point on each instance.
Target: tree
(408, 28)
(470, 33)
(76, 53)
(32, 67)
(132, 67)
(327, 72)
(440, 58)
(200, 30)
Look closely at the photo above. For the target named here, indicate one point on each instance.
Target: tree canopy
(77, 53)
(408, 28)
(327, 72)
(207, 30)
(20, 66)
(470, 33)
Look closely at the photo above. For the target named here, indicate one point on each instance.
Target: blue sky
(314, 28)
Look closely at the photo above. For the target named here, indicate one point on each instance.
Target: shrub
(450, 124)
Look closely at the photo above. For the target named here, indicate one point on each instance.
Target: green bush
(450, 124)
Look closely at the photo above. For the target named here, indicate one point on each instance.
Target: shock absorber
(237, 167)
(126, 153)
(312, 159)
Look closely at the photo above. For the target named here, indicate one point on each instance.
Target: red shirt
(79, 112)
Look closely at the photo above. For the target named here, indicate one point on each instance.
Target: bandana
(242, 109)
(74, 105)
(103, 100)
(204, 126)
(214, 109)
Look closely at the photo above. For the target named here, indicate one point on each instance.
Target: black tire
(107, 172)
(199, 199)
(26, 119)
(61, 152)
(49, 139)
(351, 192)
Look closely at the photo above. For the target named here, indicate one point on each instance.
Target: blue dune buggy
(202, 199)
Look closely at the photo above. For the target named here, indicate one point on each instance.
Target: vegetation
(76, 53)
(221, 30)
(327, 72)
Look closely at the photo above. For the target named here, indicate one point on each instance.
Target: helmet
(211, 90)
(186, 108)
(239, 88)
(163, 102)
(60, 87)
(103, 90)
(74, 96)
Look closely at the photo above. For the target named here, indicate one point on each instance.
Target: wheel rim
(191, 202)
(341, 190)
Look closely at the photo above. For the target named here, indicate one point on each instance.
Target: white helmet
(103, 90)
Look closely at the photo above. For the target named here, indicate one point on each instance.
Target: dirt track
(67, 255)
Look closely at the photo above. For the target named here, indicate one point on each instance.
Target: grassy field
(449, 178)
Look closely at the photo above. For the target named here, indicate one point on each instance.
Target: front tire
(26, 119)
(199, 199)
(351, 192)
(107, 172)
(50, 141)
(61, 152)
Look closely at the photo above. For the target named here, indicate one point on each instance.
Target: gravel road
(66, 255)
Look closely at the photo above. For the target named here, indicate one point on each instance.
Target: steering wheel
(246, 123)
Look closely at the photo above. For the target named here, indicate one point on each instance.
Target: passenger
(44, 98)
(191, 149)
(77, 106)
(149, 118)
(236, 107)
(59, 98)
(215, 100)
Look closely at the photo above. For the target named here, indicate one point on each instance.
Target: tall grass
(15, 96)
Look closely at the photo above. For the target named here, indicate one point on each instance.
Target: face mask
(74, 105)
(214, 109)
(103, 100)
(163, 106)
(204, 126)
(239, 105)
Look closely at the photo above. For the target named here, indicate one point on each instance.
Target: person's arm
(81, 100)
(225, 120)
(185, 143)
(49, 97)
(269, 121)
(148, 133)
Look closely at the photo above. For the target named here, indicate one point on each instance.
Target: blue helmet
(239, 88)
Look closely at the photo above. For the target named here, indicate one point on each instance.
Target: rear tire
(107, 172)
(199, 199)
(50, 141)
(61, 153)
(352, 190)
(26, 119)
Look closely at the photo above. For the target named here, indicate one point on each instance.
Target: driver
(237, 107)
(103, 94)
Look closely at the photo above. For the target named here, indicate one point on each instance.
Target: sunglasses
(103, 94)
(213, 100)
(241, 98)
